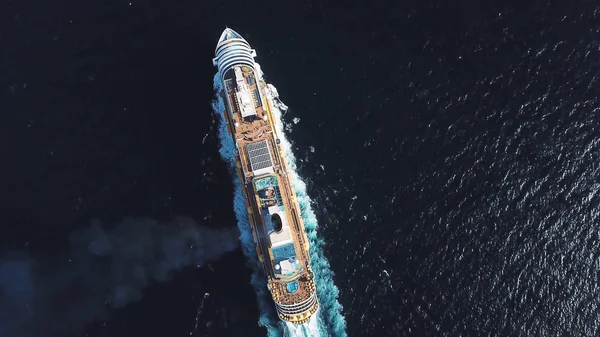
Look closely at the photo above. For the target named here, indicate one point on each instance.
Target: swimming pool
(292, 287)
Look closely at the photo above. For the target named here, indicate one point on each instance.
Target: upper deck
(278, 227)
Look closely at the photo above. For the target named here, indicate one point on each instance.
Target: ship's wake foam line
(329, 320)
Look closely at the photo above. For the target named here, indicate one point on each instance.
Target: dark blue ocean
(451, 152)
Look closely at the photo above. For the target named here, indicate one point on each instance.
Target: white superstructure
(244, 95)
(232, 50)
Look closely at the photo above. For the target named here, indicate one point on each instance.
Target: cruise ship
(274, 214)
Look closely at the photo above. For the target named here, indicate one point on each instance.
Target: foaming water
(311, 328)
(329, 320)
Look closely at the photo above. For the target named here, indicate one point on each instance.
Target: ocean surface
(450, 150)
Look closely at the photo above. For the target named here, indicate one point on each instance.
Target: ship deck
(252, 130)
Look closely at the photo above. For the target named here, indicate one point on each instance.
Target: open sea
(450, 150)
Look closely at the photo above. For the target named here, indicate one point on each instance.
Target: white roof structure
(244, 96)
(287, 267)
(285, 235)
